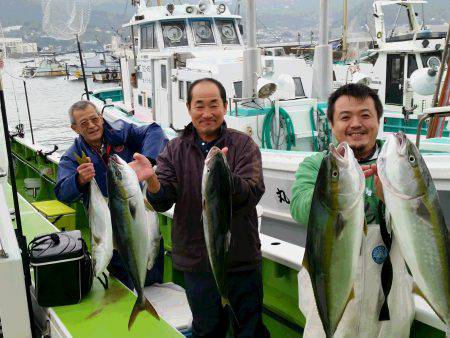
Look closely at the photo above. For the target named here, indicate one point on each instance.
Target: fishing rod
(28, 109)
(82, 68)
(21, 239)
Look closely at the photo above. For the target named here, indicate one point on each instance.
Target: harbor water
(49, 99)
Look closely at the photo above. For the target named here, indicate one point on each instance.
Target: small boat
(48, 67)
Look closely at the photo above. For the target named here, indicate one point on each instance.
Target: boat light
(170, 8)
(221, 9)
(423, 80)
(265, 87)
(202, 7)
(189, 9)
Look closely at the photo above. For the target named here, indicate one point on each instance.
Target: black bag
(62, 266)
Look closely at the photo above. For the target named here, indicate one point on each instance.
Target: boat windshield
(227, 30)
(202, 30)
(174, 33)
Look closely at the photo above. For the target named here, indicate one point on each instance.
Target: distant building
(16, 46)
(11, 29)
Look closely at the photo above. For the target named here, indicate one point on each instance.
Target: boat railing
(437, 112)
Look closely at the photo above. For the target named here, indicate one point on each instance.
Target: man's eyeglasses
(94, 120)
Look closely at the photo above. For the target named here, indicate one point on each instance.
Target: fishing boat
(178, 44)
(47, 67)
(96, 63)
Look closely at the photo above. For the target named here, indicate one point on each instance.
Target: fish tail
(141, 306)
(226, 302)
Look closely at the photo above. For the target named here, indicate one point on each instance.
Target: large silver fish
(417, 220)
(335, 233)
(216, 195)
(133, 236)
(100, 228)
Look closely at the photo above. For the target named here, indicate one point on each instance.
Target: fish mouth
(340, 153)
(114, 161)
(400, 139)
(211, 154)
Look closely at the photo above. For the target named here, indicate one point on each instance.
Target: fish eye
(334, 174)
(412, 159)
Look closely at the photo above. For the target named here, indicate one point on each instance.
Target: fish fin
(77, 158)
(148, 205)
(227, 241)
(389, 223)
(132, 210)
(419, 292)
(150, 309)
(422, 211)
(350, 296)
(339, 224)
(305, 262)
(138, 307)
(226, 302)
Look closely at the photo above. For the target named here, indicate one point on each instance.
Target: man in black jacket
(178, 180)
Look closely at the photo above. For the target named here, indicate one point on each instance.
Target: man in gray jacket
(178, 180)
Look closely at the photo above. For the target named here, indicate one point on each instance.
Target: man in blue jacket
(99, 139)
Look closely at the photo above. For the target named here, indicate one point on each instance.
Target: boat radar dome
(285, 87)
(423, 81)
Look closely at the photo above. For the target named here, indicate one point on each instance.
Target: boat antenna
(22, 242)
(423, 17)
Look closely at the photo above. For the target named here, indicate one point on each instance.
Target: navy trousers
(211, 320)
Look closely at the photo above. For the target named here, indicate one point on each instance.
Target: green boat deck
(102, 313)
(112, 308)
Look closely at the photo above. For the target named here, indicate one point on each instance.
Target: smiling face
(355, 121)
(207, 110)
(89, 124)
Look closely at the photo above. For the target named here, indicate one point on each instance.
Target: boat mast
(252, 57)
(345, 30)
(323, 71)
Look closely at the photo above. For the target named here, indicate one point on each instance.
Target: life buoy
(107, 76)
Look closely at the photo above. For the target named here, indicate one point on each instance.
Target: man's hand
(370, 170)
(224, 150)
(144, 171)
(86, 172)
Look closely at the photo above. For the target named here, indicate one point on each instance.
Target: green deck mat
(102, 313)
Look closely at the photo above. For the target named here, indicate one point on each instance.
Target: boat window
(188, 84)
(412, 64)
(174, 33)
(227, 31)
(148, 39)
(181, 90)
(163, 77)
(140, 99)
(237, 88)
(202, 31)
(426, 56)
(299, 91)
(149, 102)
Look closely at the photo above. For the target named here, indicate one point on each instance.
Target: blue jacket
(125, 140)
